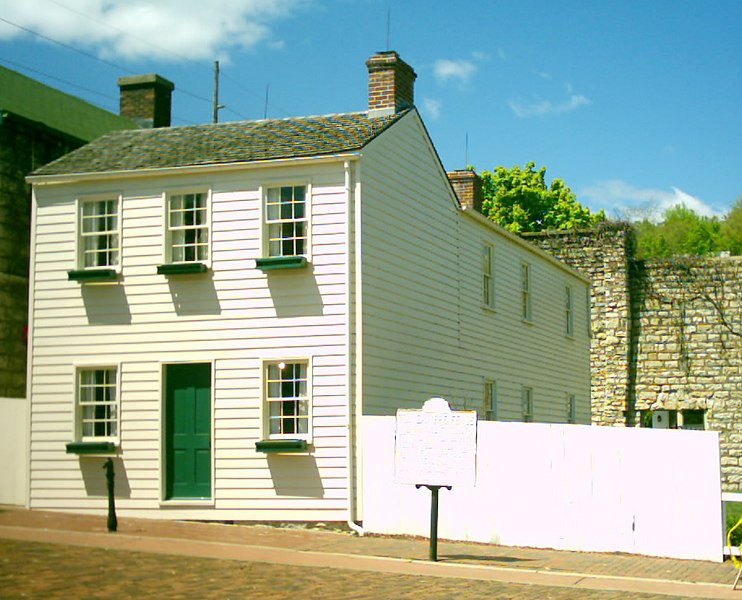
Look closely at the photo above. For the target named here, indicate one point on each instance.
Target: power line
(48, 39)
(59, 79)
(89, 55)
(139, 39)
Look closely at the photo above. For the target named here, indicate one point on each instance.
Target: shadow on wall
(295, 293)
(295, 475)
(94, 476)
(106, 304)
(194, 295)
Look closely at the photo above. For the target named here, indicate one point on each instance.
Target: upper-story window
(525, 291)
(488, 276)
(100, 239)
(188, 227)
(287, 221)
(569, 316)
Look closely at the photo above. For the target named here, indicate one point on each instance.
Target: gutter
(53, 179)
(352, 241)
(532, 248)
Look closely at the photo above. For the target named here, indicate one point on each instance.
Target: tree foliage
(520, 200)
(684, 232)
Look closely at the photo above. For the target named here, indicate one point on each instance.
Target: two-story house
(216, 306)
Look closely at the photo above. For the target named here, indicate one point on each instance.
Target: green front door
(188, 431)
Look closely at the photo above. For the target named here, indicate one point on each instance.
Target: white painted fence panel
(569, 487)
(13, 450)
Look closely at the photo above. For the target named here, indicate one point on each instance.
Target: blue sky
(637, 105)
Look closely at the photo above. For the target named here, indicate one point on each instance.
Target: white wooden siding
(426, 332)
(235, 317)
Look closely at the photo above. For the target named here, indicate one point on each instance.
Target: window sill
(182, 268)
(488, 308)
(92, 275)
(282, 446)
(91, 448)
(271, 263)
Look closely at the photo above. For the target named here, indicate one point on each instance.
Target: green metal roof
(31, 100)
(223, 143)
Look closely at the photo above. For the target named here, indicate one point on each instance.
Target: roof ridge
(224, 143)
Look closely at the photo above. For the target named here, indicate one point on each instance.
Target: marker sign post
(435, 447)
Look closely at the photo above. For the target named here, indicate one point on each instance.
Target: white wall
(425, 331)
(569, 487)
(13, 449)
(234, 317)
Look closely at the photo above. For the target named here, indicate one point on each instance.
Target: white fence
(13, 450)
(569, 487)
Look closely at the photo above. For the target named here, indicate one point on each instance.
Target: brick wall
(22, 149)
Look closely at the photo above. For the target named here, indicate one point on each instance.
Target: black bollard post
(433, 550)
(110, 475)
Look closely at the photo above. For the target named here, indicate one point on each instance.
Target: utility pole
(217, 106)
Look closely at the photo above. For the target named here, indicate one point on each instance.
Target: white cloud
(432, 107)
(461, 71)
(165, 29)
(539, 107)
(625, 200)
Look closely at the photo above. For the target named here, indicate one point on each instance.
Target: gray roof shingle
(223, 143)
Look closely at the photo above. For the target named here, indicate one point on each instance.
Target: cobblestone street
(38, 570)
(45, 554)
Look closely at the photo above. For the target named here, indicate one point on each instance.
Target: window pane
(288, 406)
(97, 403)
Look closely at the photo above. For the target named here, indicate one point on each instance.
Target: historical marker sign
(435, 445)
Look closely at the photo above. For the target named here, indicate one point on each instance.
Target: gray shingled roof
(222, 143)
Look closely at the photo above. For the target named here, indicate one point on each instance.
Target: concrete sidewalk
(314, 547)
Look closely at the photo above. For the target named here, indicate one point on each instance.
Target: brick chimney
(391, 83)
(468, 187)
(146, 99)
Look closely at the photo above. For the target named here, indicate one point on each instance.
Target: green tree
(520, 200)
(684, 232)
(731, 230)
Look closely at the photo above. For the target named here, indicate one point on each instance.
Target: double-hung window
(100, 238)
(525, 291)
(287, 399)
(488, 276)
(97, 403)
(490, 400)
(286, 221)
(569, 312)
(526, 397)
(571, 406)
(188, 227)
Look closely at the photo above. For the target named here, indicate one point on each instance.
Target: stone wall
(603, 254)
(689, 344)
(666, 334)
(24, 146)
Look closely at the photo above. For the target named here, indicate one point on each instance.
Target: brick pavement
(50, 571)
(311, 551)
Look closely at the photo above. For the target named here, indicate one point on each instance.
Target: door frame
(164, 501)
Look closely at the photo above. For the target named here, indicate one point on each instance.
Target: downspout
(30, 332)
(352, 262)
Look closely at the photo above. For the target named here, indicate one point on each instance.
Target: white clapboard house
(215, 307)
